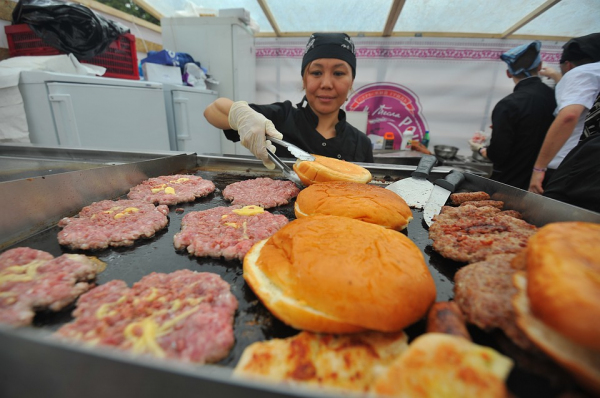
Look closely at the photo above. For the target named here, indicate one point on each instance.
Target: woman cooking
(317, 124)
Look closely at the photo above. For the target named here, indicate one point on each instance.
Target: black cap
(582, 48)
(330, 45)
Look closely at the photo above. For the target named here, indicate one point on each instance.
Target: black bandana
(330, 45)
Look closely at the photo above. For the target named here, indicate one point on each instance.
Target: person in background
(520, 120)
(575, 93)
(317, 124)
(577, 179)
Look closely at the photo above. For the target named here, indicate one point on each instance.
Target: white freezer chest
(188, 129)
(94, 112)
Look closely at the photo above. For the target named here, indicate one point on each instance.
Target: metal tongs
(296, 152)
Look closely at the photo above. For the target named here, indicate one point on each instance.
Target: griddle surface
(253, 322)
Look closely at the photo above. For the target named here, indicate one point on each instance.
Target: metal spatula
(416, 190)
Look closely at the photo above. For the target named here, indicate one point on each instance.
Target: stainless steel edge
(536, 209)
(35, 365)
(33, 204)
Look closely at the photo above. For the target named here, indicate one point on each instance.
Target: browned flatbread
(442, 365)
(322, 360)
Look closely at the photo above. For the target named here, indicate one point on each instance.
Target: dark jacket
(577, 179)
(299, 126)
(519, 124)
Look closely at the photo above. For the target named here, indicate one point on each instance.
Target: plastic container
(425, 140)
(119, 59)
(388, 140)
(407, 137)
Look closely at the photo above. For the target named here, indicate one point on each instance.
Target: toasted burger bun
(351, 362)
(441, 365)
(363, 202)
(583, 363)
(334, 274)
(563, 273)
(324, 169)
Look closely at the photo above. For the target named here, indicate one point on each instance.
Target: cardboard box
(162, 73)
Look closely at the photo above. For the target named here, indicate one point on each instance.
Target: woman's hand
(253, 129)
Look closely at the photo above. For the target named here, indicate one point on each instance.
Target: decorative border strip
(407, 53)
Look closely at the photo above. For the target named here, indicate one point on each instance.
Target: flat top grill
(253, 322)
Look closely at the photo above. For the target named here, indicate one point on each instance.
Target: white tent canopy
(512, 19)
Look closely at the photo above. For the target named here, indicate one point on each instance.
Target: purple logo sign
(392, 108)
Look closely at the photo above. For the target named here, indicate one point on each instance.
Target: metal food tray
(33, 364)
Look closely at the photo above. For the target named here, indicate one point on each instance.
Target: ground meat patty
(498, 204)
(458, 198)
(470, 234)
(484, 290)
(112, 223)
(512, 213)
(33, 280)
(170, 190)
(226, 231)
(264, 192)
(183, 315)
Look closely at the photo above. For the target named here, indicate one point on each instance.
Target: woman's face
(327, 82)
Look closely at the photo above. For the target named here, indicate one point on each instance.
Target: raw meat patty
(170, 190)
(112, 223)
(264, 192)
(184, 315)
(226, 231)
(33, 280)
(470, 234)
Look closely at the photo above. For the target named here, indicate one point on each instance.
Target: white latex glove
(475, 146)
(254, 129)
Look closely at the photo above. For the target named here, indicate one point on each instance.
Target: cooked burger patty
(170, 190)
(184, 315)
(33, 280)
(480, 203)
(470, 234)
(458, 198)
(226, 231)
(264, 192)
(484, 290)
(112, 223)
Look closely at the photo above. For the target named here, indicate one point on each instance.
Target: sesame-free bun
(558, 301)
(324, 169)
(334, 274)
(563, 279)
(362, 202)
(582, 362)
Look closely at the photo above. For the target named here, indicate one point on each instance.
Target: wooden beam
(529, 17)
(393, 15)
(265, 7)
(149, 9)
(6, 9)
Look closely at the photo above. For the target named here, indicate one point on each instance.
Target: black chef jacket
(299, 127)
(519, 124)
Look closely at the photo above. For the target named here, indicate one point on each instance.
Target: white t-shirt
(578, 86)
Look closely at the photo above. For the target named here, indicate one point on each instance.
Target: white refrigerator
(188, 129)
(223, 45)
(94, 112)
